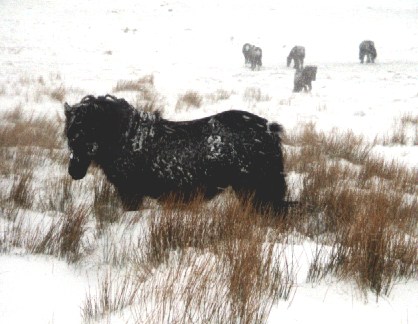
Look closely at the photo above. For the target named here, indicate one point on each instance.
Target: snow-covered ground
(88, 46)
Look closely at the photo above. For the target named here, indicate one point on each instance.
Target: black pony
(368, 50)
(246, 51)
(297, 54)
(304, 77)
(255, 57)
(143, 154)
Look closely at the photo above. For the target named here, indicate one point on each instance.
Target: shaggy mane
(110, 101)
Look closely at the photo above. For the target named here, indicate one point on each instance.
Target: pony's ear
(67, 109)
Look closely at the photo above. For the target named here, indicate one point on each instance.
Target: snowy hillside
(56, 51)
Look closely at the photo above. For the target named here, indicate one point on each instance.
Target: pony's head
(81, 132)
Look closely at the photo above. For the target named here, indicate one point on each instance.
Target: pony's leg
(130, 201)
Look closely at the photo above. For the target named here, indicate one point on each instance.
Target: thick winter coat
(143, 154)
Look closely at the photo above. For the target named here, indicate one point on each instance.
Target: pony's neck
(114, 120)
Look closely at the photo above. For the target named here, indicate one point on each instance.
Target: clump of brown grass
(363, 210)
(255, 94)
(147, 99)
(404, 126)
(71, 233)
(115, 293)
(39, 132)
(38, 88)
(59, 236)
(334, 145)
(27, 144)
(285, 101)
(219, 95)
(3, 90)
(189, 99)
(372, 242)
(247, 265)
(58, 93)
(21, 192)
(59, 197)
(63, 237)
(135, 85)
(106, 205)
(397, 176)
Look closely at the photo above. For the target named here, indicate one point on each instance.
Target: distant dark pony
(143, 154)
(304, 77)
(246, 51)
(368, 50)
(255, 56)
(297, 54)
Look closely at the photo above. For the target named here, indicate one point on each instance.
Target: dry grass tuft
(115, 293)
(405, 131)
(219, 95)
(71, 233)
(35, 132)
(189, 99)
(255, 94)
(135, 85)
(207, 250)
(361, 207)
(58, 236)
(147, 99)
(335, 145)
(59, 93)
(59, 196)
(21, 193)
(107, 206)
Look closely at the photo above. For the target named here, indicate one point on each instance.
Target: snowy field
(87, 47)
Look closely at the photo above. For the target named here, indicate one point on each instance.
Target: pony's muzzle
(77, 168)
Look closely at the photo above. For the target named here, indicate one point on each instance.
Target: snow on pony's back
(143, 154)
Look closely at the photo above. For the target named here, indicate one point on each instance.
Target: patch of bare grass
(397, 175)
(115, 292)
(404, 132)
(196, 246)
(107, 206)
(63, 237)
(21, 193)
(333, 145)
(219, 95)
(188, 100)
(147, 98)
(3, 90)
(58, 93)
(60, 236)
(135, 85)
(255, 94)
(59, 196)
(39, 132)
(359, 206)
